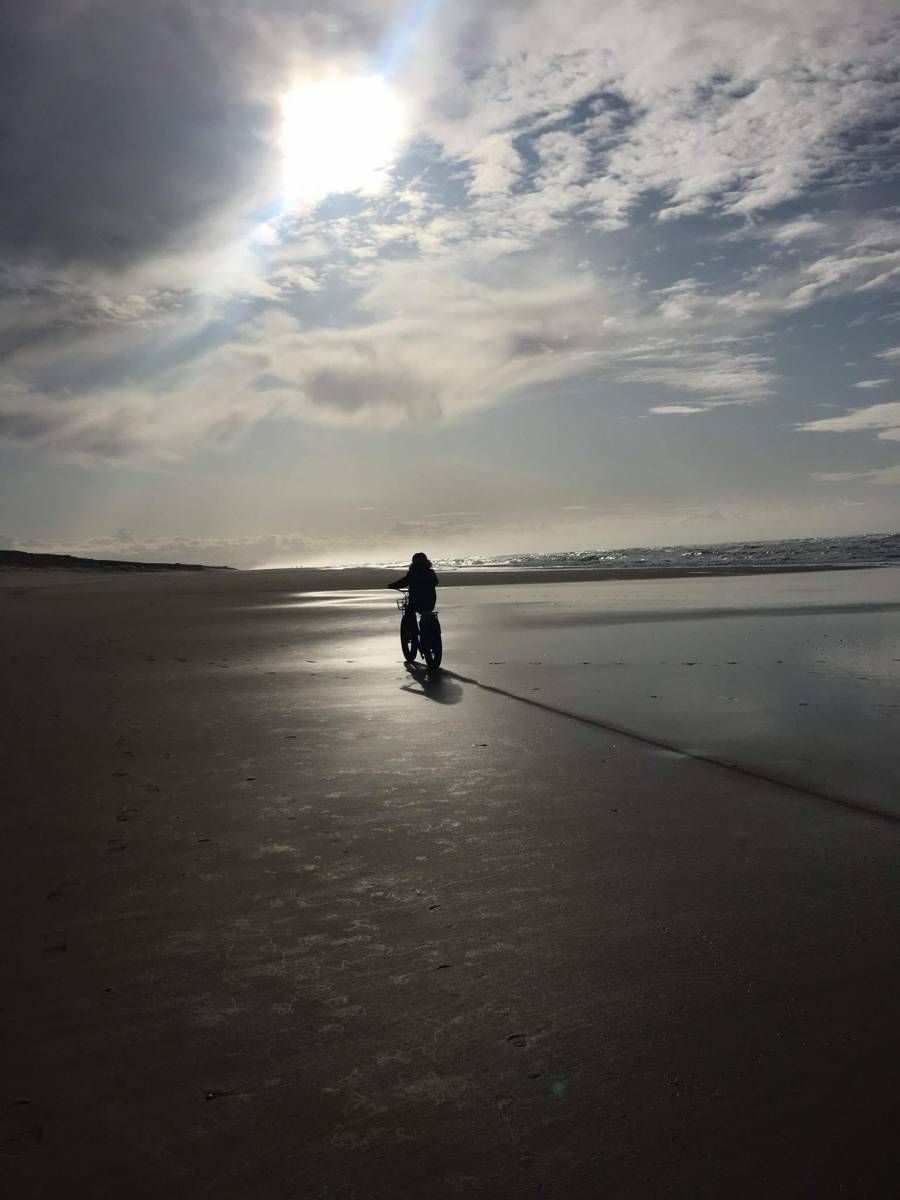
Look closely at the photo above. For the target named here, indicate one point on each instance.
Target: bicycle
(420, 631)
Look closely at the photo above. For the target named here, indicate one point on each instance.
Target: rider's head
(420, 561)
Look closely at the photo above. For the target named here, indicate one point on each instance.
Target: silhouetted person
(422, 582)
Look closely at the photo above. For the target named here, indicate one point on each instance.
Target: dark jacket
(421, 582)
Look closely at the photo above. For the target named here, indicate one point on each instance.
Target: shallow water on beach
(794, 677)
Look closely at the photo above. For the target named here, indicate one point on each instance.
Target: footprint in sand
(62, 892)
(20, 1129)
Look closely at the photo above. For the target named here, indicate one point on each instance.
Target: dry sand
(286, 920)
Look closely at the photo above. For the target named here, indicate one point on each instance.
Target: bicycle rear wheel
(409, 636)
(432, 646)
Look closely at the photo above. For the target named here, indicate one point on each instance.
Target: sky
(289, 283)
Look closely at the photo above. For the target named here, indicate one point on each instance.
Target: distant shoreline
(356, 578)
(50, 568)
(23, 560)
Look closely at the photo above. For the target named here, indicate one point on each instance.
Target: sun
(339, 135)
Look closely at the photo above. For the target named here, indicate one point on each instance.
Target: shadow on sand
(435, 685)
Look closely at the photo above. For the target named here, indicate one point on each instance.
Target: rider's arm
(400, 583)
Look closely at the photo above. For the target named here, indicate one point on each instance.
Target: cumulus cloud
(738, 109)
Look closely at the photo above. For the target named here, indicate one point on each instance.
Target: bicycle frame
(403, 605)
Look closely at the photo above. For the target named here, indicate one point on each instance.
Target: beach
(608, 908)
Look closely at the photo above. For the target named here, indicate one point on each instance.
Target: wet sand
(793, 678)
(288, 920)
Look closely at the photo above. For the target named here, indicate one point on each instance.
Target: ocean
(874, 549)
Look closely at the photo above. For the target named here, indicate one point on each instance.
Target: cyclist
(421, 581)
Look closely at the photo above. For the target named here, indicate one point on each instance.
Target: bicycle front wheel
(409, 636)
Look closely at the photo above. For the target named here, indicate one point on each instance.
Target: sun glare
(339, 135)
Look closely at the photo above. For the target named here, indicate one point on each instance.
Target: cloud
(801, 228)
(270, 549)
(892, 355)
(124, 128)
(232, 552)
(872, 383)
(677, 409)
(721, 376)
(475, 335)
(738, 110)
(886, 475)
(882, 417)
(868, 261)
(434, 526)
(154, 296)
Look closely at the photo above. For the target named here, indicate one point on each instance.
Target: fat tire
(409, 637)
(432, 646)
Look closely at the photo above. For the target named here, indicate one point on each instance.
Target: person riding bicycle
(421, 581)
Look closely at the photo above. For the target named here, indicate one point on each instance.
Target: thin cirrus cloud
(677, 410)
(883, 419)
(155, 295)
(884, 475)
(880, 419)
